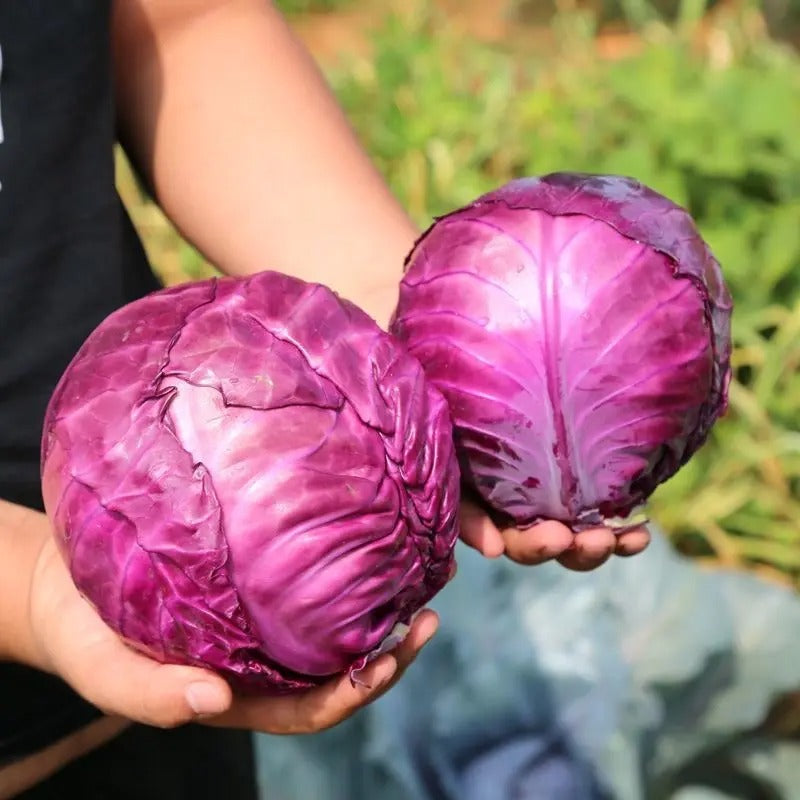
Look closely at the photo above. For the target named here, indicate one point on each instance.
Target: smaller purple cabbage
(249, 475)
(579, 327)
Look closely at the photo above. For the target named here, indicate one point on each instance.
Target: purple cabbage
(249, 475)
(579, 327)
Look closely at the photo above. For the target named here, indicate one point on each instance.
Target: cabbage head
(579, 326)
(250, 476)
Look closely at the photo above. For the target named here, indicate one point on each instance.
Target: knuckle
(316, 723)
(168, 719)
(529, 557)
(155, 712)
(168, 722)
(318, 719)
(301, 727)
(321, 723)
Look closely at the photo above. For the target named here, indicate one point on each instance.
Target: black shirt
(68, 257)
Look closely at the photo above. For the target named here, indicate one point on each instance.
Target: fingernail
(205, 699)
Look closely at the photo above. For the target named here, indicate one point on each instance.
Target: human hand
(72, 641)
(545, 541)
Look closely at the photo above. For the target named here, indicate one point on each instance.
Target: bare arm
(246, 150)
(233, 126)
(23, 533)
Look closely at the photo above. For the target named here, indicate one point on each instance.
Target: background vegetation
(699, 100)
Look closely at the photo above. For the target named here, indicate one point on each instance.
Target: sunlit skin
(547, 541)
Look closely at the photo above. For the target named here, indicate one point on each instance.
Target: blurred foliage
(706, 110)
(291, 7)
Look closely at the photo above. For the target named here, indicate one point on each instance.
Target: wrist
(384, 264)
(379, 302)
(23, 538)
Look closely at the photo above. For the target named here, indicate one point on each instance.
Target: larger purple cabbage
(251, 476)
(580, 328)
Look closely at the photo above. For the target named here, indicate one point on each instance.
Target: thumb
(122, 682)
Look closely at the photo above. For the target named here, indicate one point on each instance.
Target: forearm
(22, 534)
(247, 151)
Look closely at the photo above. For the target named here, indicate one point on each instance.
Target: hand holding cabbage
(68, 638)
(249, 476)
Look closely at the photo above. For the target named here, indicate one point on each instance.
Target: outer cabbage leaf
(250, 475)
(580, 328)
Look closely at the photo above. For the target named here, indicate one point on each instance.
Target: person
(233, 130)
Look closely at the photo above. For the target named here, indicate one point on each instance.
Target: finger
(371, 687)
(479, 532)
(633, 542)
(120, 681)
(328, 705)
(408, 650)
(538, 544)
(453, 570)
(422, 630)
(590, 549)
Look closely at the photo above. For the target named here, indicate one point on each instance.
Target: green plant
(307, 6)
